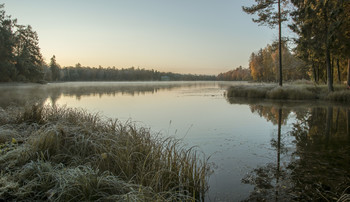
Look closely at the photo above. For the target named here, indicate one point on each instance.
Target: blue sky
(185, 36)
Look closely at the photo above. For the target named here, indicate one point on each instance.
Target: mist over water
(257, 148)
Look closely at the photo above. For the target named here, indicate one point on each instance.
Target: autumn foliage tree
(238, 74)
(263, 65)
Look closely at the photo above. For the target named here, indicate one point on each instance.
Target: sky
(183, 36)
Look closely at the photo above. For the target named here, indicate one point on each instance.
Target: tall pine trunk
(332, 67)
(329, 70)
(348, 73)
(338, 70)
(348, 120)
(314, 72)
(318, 73)
(280, 42)
(328, 53)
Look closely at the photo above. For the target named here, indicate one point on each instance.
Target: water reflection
(267, 179)
(291, 150)
(316, 163)
(324, 153)
(20, 95)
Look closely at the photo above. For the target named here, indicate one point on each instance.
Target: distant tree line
(21, 60)
(81, 73)
(238, 74)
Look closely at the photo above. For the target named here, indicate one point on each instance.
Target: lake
(258, 149)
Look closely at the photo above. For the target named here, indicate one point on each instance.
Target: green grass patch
(65, 154)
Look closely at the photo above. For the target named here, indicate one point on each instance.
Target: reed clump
(290, 92)
(339, 96)
(248, 91)
(64, 154)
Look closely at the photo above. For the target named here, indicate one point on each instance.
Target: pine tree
(55, 69)
(7, 69)
(267, 15)
(322, 27)
(28, 59)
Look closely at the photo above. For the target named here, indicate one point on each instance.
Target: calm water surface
(257, 149)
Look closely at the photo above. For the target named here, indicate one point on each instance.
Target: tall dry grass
(64, 154)
(290, 92)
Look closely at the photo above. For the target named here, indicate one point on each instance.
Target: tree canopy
(238, 74)
(323, 30)
(263, 64)
(20, 57)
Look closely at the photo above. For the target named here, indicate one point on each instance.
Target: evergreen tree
(55, 69)
(344, 37)
(28, 59)
(267, 15)
(7, 69)
(20, 57)
(322, 26)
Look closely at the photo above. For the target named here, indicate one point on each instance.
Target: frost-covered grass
(64, 154)
(290, 92)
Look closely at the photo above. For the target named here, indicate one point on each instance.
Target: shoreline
(60, 154)
(290, 92)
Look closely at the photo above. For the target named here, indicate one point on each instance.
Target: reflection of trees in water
(113, 89)
(324, 152)
(271, 113)
(319, 167)
(20, 95)
(269, 179)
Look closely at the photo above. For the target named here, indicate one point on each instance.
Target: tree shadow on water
(316, 167)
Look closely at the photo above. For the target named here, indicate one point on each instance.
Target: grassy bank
(290, 92)
(63, 154)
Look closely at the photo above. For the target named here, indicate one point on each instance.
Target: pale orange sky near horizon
(198, 37)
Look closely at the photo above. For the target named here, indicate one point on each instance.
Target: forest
(321, 50)
(54, 72)
(22, 61)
